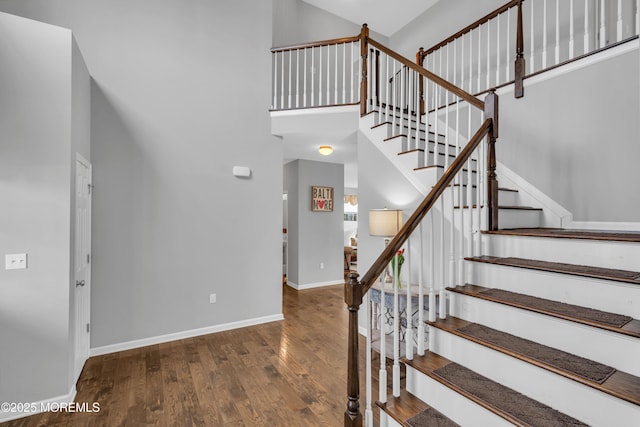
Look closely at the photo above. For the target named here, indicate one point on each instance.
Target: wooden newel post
(364, 80)
(420, 62)
(491, 112)
(519, 66)
(353, 299)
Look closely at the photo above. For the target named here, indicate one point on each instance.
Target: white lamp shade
(385, 222)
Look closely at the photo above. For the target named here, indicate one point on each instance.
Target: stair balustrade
(491, 52)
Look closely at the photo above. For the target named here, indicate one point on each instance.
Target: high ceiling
(381, 16)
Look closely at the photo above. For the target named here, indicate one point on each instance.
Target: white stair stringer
(617, 254)
(603, 346)
(450, 403)
(563, 394)
(607, 295)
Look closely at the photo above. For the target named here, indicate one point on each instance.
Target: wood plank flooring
(288, 373)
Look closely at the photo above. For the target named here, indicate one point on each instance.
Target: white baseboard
(315, 285)
(129, 345)
(38, 407)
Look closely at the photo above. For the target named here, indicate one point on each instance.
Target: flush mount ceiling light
(325, 150)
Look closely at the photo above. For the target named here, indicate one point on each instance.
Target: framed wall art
(321, 199)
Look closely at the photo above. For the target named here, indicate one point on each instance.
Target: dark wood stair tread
(431, 364)
(563, 268)
(615, 236)
(619, 384)
(551, 308)
(508, 207)
(404, 407)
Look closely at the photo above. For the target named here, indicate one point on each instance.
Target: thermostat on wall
(241, 171)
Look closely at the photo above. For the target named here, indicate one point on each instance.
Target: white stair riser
(429, 176)
(412, 159)
(386, 420)
(616, 350)
(607, 295)
(597, 253)
(519, 218)
(450, 403)
(570, 397)
(508, 198)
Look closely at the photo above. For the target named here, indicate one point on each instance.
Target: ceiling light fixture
(325, 150)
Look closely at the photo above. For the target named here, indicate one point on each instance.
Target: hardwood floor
(288, 373)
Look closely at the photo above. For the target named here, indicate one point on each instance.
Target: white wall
(315, 237)
(43, 122)
(174, 84)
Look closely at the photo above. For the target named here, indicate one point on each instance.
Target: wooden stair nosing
(440, 362)
(620, 384)
(562, 268)
(559, 233)
(631, 329)
(403, 408)
(521, 208)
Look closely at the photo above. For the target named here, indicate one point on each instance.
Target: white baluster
(352, 73)
(452, 248)
(603, 25)
(313, 77)
(282, 82)
(335, 91)
(328, 74)
(619, 20)
(344, 71)
(297, 78)
(368, 414)
(394, 95)
(290, 79)
(275, 81)
(479, 56)
(382, 373)
(408, 334)
(471, 61)
(571, 31)
(387, 89)
(498, 51)
(586, 26)
(304, 84)
(320, 75)
(557, 50)
(532, 37)
(469, 192)
(544, 34)
(507, 64)
(479, 206)
(421, 295)
(396, 330)
(443, 309)
(488, 55)
(402, 82)
(432, 269)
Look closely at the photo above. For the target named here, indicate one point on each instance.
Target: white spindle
(387, 89)
(382, 373)
(479, 56)
(275, 81)
(396, 330)
(313, 81)
(297, 78)
(619, 21)
(368, 414)
(328, 74)
(471, 61)
(557, 49)
(498, 51)
(408, 334)
(432, 269)
(344, 75)
(571, 31)
(352, 72)
(586, 26)
(488, 55)
(507, 64)
(282, 82)
(320, 76)
(304, 84)
(479, 183)
(532, 37)
(421, 295)
(394, 95)
(603, 25)
(469, 192)
(443, 313)
(290, 79)
(402, 82)
(335, 82)
(544, 34)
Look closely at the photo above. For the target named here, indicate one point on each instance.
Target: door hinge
(88, 258)
(88, 328)
(89, 186)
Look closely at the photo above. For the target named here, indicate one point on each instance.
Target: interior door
(82, 299)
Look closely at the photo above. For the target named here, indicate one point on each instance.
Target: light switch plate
(15, 261)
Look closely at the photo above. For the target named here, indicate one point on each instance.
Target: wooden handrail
(315, 44)
(429, 75)
(470, 27)
(412, 223)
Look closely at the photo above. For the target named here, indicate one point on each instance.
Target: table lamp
(385, 223)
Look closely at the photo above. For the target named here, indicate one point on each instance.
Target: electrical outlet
(15, 261)
(212, 298)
